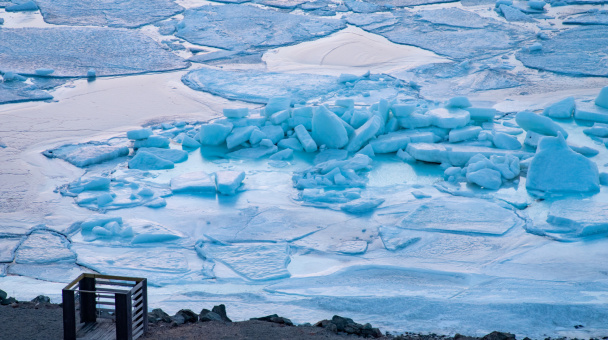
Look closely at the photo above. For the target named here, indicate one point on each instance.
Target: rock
(158, 315)
(41, 299)
(207, 315)
(8, 301)
(3, 295)
(185, 316)
(275, 319)
(499, 336)
(348, 326)
(221, 311)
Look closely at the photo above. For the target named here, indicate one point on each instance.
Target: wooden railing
(122, 299)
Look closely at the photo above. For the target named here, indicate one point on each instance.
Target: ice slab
(257, 87)
(590, 18)
(578, 51)
(253, 153)
(563, 109)
(602, 98)
(113, 13)
(227, 182)
(449, 118)
(462, 215)
(387, 281)
(82, 155)
(456, 154)
(484, 37)
(109, 51)
(242, 27)
(514, 14)
(530, 121)
(43, 247)
(328, 129)
(557, 170)
(579, 218)
(8, 244)
(172, 155)
(395, 141)
(214, 134)
(254, 261)
(54, 272)
(17, 91)
(193, 182)
(160, 265)
(148, 161)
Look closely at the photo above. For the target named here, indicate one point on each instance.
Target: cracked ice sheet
(243, 27)
(257, 87)
(159, 264)
(351, 50)
(483, 37)
(108, 51)
(113, 13)
(580, 51)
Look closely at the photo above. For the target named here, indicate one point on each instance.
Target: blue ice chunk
(256, 136)
(291, 143)
(462, 134)
(190, 143)
(328, 129)
(402, 110)
(307, 142)
(240, 27)
(514, 14)
(139, 134)
(91, 73)
(485, 178)
(278, 118)
(86, 154)
(493, 38)
(598, 130)
(227, 182)
(578, 51)
(276, 104)
(12, 76)
(44, 72)
(458, 103)
(108, 51)
(557, 170)
(604, 178)
(362, 205)
(172, 155)
(239, 136)
(449, 119)
(584, 150)
(456, 154)
(153, 141)
(147, 161)
(22, 7)
(236, 113)
(110, 13)
(537, 4)
(482, 114)
(602, 98)
(415, 121)
(273, 132)
(536, 123)
(193, 182)
(562, 109)
(93, 183)
(359, 117)
(363, 134)
(505, 141)
(591, 116)
(367, 150)
(214, 134)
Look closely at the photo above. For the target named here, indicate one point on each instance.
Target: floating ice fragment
(227, 182)
(139, 134)
(486, 178)
(236, 113)
(556, 169)
(328, 129)
(193, 182)
(505, 141)
(449, 119)
(147, 161)
(536, 123)
(456, 154)
(86, 154)
(462, 134)
(363, 134)
(172, 155)
(602, 98)
(153, 141)
(190, 143)
(214, 134)
(362, 205)
(562, 109)
(44, 71)
(282, 155)
(22, 7)
(458, 103)
(307, 142)
(239, 136)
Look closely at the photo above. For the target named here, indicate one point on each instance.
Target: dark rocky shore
(40, 319)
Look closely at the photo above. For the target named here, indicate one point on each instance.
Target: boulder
(185, 316)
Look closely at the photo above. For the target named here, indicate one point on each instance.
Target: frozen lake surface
(424, 166)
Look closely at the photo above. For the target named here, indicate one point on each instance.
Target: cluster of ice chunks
(487, 173)
(112, 229)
